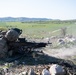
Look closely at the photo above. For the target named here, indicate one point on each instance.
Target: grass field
(41, 28)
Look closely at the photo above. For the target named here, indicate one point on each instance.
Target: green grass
(41, 29)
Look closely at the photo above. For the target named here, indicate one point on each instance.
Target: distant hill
(22, 19)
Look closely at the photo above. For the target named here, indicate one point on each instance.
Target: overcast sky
(54, 9)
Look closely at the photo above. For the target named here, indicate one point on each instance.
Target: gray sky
(54, 9)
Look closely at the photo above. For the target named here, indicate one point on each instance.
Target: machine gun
(21, 45)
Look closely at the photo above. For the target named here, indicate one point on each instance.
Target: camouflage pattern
(12, 35)
(3, 48)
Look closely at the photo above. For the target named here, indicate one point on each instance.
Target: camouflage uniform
(11, 35)
(3, 47)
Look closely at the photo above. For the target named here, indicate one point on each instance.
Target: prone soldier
(10, 36)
